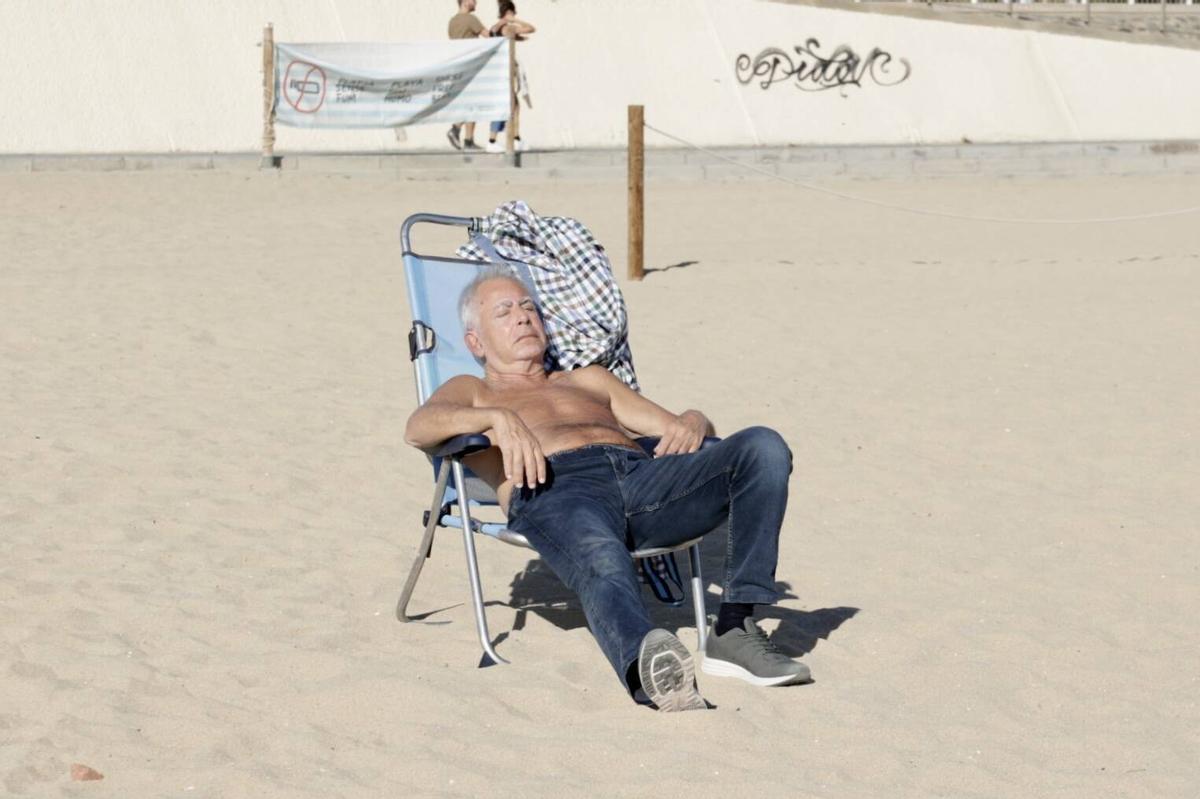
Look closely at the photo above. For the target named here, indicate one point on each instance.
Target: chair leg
(485, 640)
(426, 542)
(698, 597)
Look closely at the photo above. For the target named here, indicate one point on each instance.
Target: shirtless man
(577, 486)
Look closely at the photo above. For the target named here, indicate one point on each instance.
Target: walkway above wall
(1114, 21)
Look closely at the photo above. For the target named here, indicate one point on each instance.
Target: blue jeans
(601, 501)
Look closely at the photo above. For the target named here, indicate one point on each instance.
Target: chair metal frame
(468, 490)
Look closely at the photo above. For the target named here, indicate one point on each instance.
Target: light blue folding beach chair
(438, 353)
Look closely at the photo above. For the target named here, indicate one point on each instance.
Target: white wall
(175, 76)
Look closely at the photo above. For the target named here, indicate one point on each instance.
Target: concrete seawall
(868, 162)
(130, 76)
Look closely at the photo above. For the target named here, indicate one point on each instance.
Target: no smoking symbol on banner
(304, 86)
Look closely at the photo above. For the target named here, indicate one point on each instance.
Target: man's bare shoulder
(594, 379)
(460, 389)
(594, 375)
(459, 381)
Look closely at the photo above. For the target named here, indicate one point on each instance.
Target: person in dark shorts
(464, 25)
(517, 29)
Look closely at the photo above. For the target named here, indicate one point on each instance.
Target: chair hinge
(445, 509)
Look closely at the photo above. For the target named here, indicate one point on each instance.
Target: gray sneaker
(668, 673)
(749, 655)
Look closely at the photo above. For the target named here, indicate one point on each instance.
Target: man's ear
(473, 343)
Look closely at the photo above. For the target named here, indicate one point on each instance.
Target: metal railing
(1128, 16)
(1042, 2)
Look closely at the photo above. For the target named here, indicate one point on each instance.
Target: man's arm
(679, 433)
(452, 411)
(449, 412)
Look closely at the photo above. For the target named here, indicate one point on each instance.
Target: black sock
(633, 678)
(731, 616)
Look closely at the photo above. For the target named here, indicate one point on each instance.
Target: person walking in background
(464, 25)
(517, 29)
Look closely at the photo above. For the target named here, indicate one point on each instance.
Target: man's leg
(577, 524)
(740, 482)
(494, 129)
(583, 542)
(468, 141)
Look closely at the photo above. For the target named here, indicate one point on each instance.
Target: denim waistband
(592, 451)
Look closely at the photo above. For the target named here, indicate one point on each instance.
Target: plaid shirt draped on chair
(584, 311)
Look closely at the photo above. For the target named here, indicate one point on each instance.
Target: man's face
(468, 6)
(509, 327)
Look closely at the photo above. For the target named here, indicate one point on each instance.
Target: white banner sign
(387, 85)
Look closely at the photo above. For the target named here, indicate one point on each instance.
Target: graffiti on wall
(808, 70)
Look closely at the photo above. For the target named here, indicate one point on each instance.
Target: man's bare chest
(554, 404)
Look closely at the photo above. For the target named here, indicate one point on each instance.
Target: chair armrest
(460, 446)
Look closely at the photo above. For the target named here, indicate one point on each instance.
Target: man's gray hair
(467, 313)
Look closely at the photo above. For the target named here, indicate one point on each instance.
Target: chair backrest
(434, 285)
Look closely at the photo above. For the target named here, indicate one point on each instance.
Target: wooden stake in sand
(268, 131)
(637, 191)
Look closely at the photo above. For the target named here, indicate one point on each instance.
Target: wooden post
(637, 192)
(510, 141)
(268, 130)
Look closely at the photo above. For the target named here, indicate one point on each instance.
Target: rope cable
(921, 211)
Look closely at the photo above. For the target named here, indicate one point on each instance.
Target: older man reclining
(583, 493)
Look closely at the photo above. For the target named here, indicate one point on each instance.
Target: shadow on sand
(537, 590)
(680, 265)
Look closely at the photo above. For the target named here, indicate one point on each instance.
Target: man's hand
(524, 462)
(685, 434)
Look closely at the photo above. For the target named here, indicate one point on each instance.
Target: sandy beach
(991, 554)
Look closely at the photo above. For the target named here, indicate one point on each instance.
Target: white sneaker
(518, 145)
(495, 147)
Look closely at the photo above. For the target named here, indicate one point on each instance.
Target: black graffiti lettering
(879, 70)
(810, 71)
